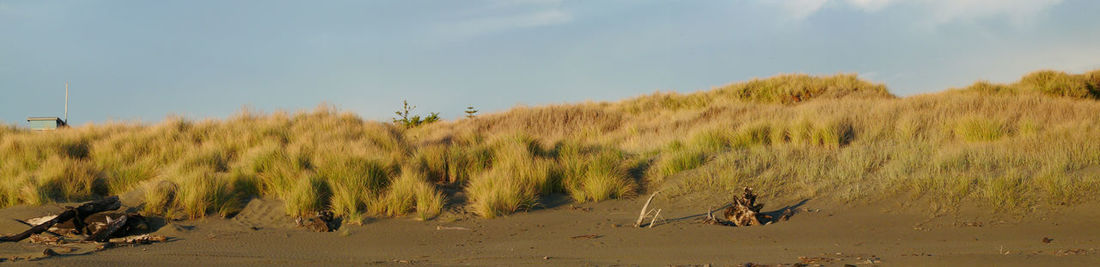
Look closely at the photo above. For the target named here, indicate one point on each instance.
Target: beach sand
(886, 233)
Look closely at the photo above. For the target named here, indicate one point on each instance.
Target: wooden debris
(77, 215)
(139, 239)
(45, 239)
(36, 221)
(322, 221)
(654, 221)
(641, 215)
(451, 228)
(589, 236)
(744, 210)
(103, 234)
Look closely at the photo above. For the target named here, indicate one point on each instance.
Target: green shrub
(409, 121)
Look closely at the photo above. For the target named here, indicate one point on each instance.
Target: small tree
(471, 112)
(414, 120)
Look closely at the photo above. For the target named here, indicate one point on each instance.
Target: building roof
(43, 119)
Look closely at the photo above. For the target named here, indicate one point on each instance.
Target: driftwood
(140, 239)
(104, 234)
(654, 220)
(743, 211)
(77, 215)
(644, 213)
(322, 221)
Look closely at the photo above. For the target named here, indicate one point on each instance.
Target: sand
(600, 234)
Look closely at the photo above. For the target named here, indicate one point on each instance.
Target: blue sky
(145, 60)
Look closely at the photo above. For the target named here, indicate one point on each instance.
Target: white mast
(66, 102)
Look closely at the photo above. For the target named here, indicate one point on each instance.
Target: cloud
(869, 5)
(1019, 11)
(505, 15)
(801, 9)
(936, 11)
(493, 24)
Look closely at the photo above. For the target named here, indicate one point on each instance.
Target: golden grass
(790, 136)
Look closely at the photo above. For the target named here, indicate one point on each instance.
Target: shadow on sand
(765, 217)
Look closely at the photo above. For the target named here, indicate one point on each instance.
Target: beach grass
(1007, 146)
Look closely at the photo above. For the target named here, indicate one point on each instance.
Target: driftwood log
(743, 211)
(77, 215)
(104, 234)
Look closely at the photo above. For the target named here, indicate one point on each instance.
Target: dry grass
(791, 136)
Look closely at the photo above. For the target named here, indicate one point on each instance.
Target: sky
(146, 60)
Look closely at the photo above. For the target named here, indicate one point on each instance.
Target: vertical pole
(66, 103)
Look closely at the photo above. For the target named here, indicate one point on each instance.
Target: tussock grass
(676, 161)
(160, 198)
(593, 174)
(311, 193)
(790, 136)
(975, 129)
(1048, 82)
(411, 192)
(519, 175)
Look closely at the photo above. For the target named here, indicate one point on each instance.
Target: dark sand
(834, 235)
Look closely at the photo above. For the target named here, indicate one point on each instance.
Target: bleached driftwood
(654, 221)
(138, 239)
(643, 213)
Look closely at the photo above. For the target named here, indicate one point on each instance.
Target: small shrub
(404, 118)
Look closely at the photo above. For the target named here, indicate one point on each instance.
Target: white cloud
(1020, 11)
(801, 9)
(505, 15)
(869, 5)
(509, 22)
(936, 11)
